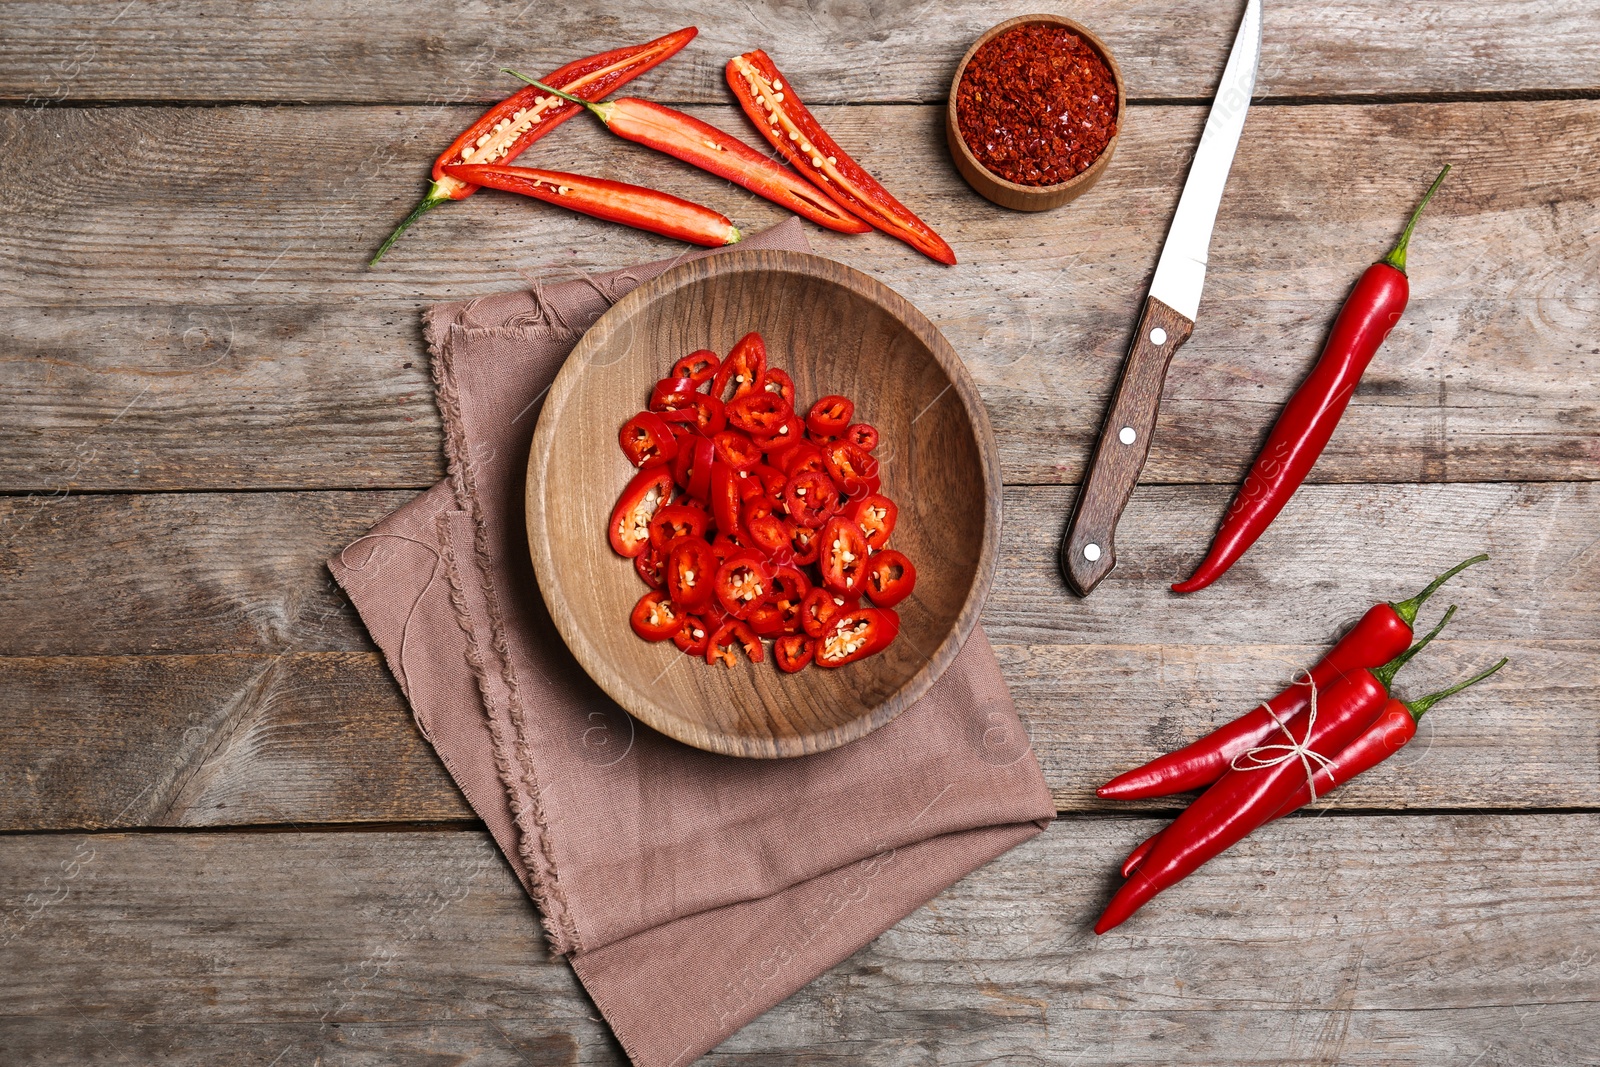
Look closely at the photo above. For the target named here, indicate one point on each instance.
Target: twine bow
(1253, 760)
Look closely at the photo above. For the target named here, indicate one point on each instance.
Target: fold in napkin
(690, 891)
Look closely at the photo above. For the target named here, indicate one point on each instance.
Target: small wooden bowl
(1031, 197)
(835, 330)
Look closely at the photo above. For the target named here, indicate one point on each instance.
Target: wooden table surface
(224, 840)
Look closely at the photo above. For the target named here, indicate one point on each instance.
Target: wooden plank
(301, 722)
(305, 52)
(150, 291)
(1351, 940)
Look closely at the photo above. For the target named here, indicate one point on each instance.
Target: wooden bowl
(1031, 197)
(835, 330)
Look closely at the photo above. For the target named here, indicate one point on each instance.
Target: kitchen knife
(1088, 548)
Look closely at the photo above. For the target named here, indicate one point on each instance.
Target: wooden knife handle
(1089, 547)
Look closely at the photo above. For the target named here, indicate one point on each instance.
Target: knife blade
(1088, 547)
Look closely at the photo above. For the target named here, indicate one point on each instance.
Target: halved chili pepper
(770, 101)
(863, 435)
(730, 635)
(830, 416)
(690, 571)
(890, 578)
(505, 130)
(821, 606)
(629, 529)
(793, 652)
(601, 198)
(843, 556)
(699, 367)
(673, 521)
(702, 145)
(758, 413)
(1308, 420)
(647, 440)
(742, 582)
(812, 498)
(855, 635)
(743, 369)
(854, 470)
(736, 449)
(1383, 633)
(1245, 797)
(876, 514)
(655, 618)
(778, 381)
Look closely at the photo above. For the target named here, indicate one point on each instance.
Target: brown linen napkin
(691, 891)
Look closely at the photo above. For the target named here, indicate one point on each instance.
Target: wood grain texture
(151, 287)
(1353, 940)
(201, 51)
(835, 331)
(1089, 544)
(1103, 684)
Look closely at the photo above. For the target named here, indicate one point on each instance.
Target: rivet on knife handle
(1089, 547)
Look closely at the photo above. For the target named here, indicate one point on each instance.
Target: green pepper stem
(1419, 708)
(1407, 609)
(1385, 674)
(1397, 256)
(602, 110)
(429, 202)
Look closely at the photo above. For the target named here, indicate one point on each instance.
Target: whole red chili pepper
(631, 205)
(702, 145)
(504, 131)
(770, 101)
(1394, 727)
(1313, 412)
(1244, 798)
(1381, 634)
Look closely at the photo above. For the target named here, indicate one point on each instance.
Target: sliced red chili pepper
(777, 381)
(772, 480)
(725, 500)
(830, 416)
(655, 618)
(800, 456)
(705, 456)
(672, 394)
(694, 637)
(703, 414)
(766, 619)
(855, 470)
(702, 145)
(784, 121)
(690, 570)
(812, 498)
(729, 636)
(736, 450)
(890, 578)
(876, 515)
(789, 430)
(790, 586)
(803, 544)
(768, 532)
(601, 198)
(742, 582)
(855, 635)
(820, 607)
(508, 128)
(724, 548)
(677, 520)
(647, 491)
(793, 652)
(743, 369)
(843, 556)
(699, 367)
(651, 566)
(647, 440)
(863, 435)
(758, 413)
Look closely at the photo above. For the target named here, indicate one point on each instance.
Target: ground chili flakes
(1037, 105)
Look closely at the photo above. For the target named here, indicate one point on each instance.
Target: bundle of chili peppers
(1308, 420)
(1332, 723)
(749, 522)
(830, 189)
